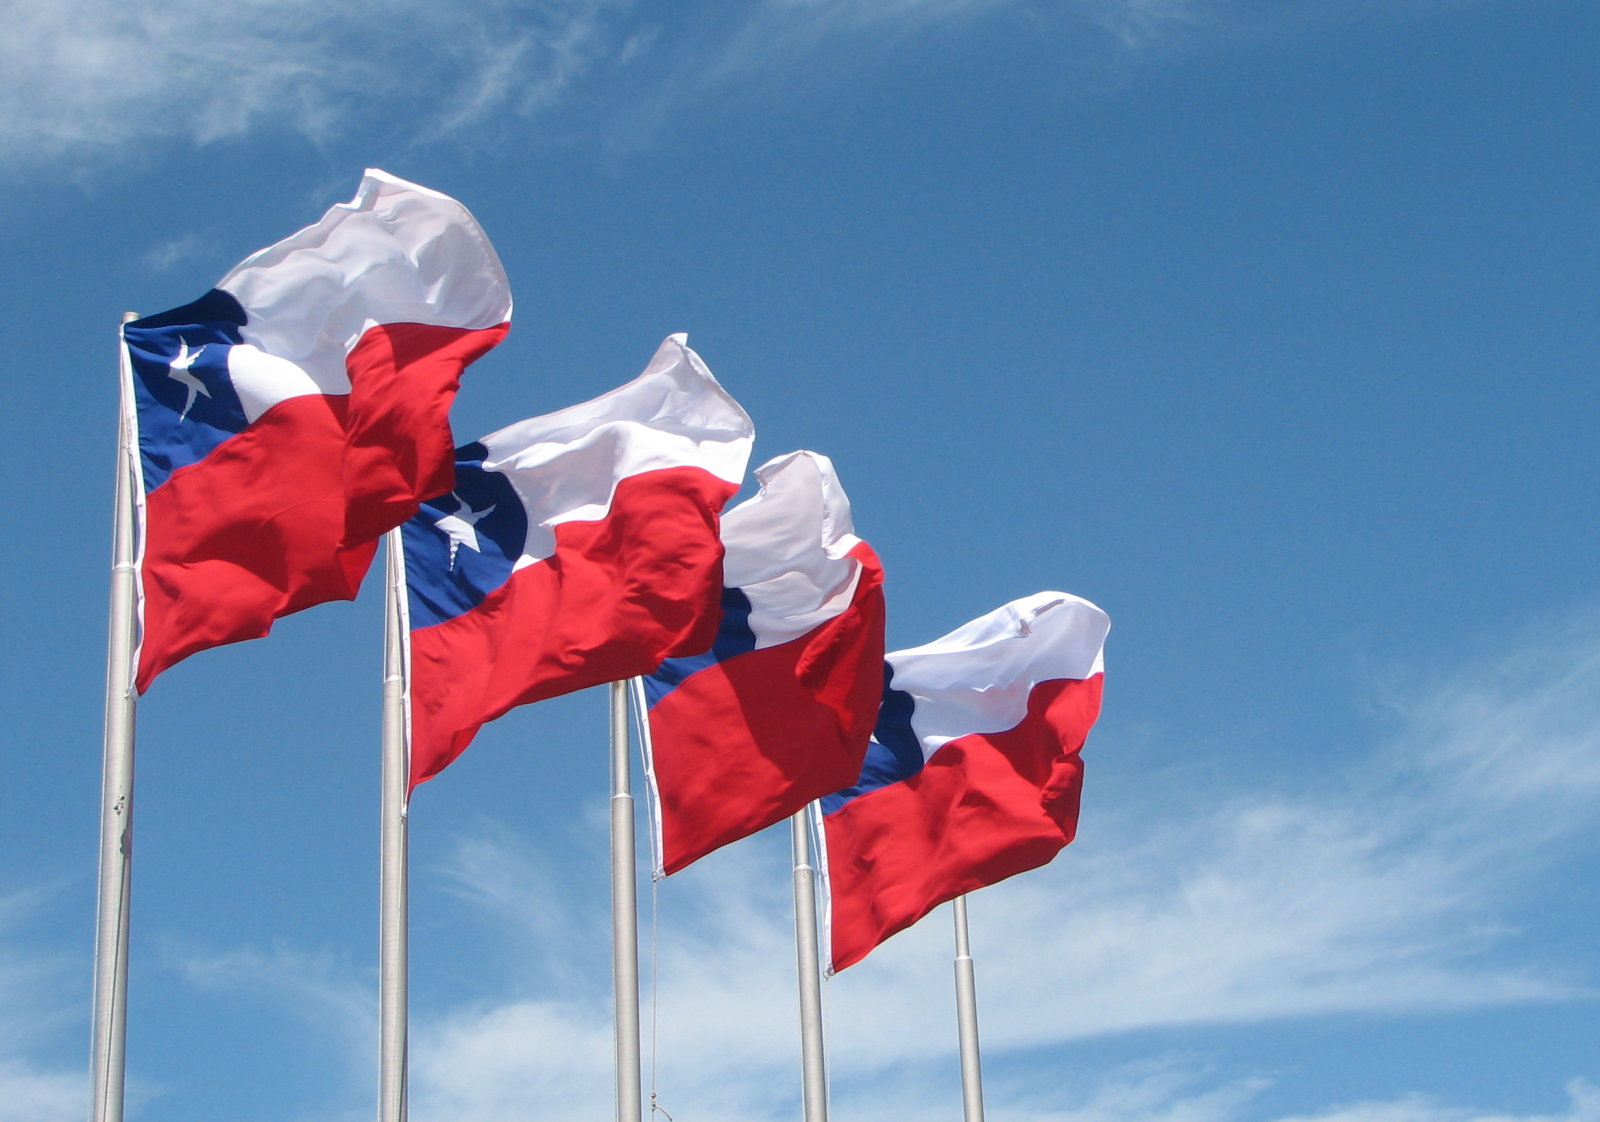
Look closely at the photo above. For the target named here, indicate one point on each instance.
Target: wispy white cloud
(505, 881)
(322, 992)
(1134, 21)
(318, 986)
(170, 254)
(31, 1094)
(84, 79)
(1137, 23)
(1180, 1089)
(1583, 1106)
(37, 1002)
(28, 981)
(1163, 1089)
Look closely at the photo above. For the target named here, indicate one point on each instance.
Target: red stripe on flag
(399, 451)
(248, 534)
(985, 807)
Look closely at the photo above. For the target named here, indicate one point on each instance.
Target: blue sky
(1269, 327)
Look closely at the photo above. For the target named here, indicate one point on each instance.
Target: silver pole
(109, 1045)
(813, 1070)
(967, 1019)
(624, 914)
(393, 846)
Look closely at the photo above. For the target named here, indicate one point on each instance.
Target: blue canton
(734, 637)
(186, 401)
(894, 753)
(462, 546)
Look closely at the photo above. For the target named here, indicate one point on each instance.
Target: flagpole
(813, 1071)
(967, 1018)
(109, 1044)
(393, 845)
(624, 913)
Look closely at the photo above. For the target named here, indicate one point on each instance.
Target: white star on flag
(179, 369)
(461, 527)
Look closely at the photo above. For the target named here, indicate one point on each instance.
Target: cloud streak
(1181, 1090)
(84, 80)
(1583, 1106)
(84, 83)
(37, 1002)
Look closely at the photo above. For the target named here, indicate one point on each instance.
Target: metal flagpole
(393, 844)
(813, 1072)
(109, 1045)
(967, 1019)
(624, 913)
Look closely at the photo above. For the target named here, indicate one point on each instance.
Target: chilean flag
(297, 411)
(973, 772)
(574, 549)
(777, 711)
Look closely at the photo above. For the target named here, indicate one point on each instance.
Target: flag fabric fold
(575, 548)
(973, 773)
(297, 411)
(777, 710)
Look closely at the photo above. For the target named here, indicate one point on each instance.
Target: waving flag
(295, 412)
(973, 772)
(575, 548)
(778, 710)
